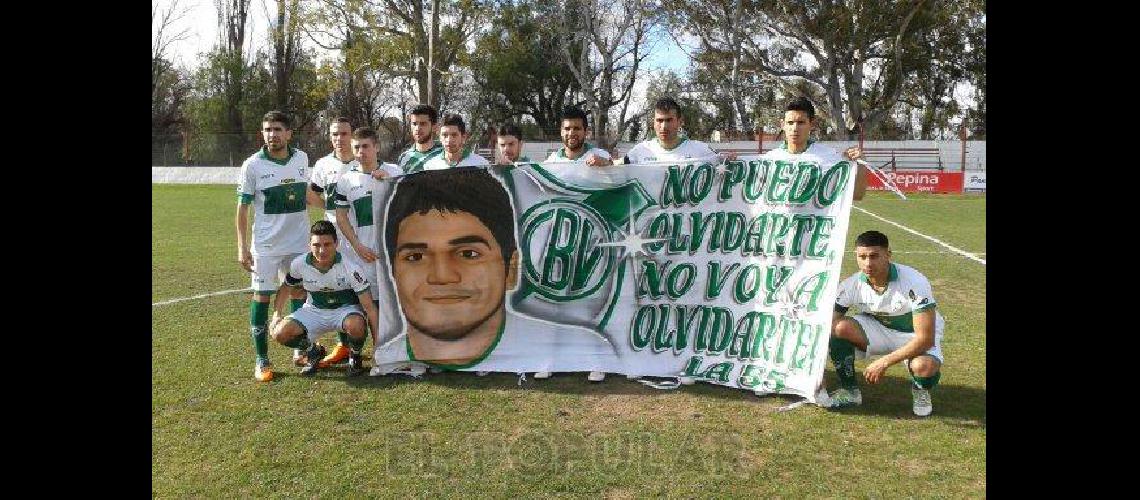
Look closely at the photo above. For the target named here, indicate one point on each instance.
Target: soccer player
(799, 118)
(274, 183)
(574, 127)
(669, 144)
(424, 124)
(326, 173)
(453, 134)
(338, 294)
(510, 144)
(355, 202)
(897, 319)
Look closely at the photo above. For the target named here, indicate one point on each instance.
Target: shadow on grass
(957, 405)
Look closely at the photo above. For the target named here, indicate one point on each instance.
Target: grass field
(217, 433)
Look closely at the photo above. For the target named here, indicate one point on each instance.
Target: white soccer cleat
(922, 404)
(541, 374)
(596, 376)
(687, 380)
(843, 398)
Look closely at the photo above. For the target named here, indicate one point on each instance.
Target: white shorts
(882, 340)
(317, 321)
(269, 271)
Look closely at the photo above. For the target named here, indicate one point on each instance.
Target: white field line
(959, 251)
(204, 295)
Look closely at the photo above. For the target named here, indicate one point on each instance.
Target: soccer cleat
(922, 404)
(686, 380)
(355, 364)
(263, 371)
(541, 374)
(338, 355)
(596, 376)
(315, 354)
(298, 357)
(843, 398)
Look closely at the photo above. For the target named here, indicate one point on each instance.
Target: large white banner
(721, 271)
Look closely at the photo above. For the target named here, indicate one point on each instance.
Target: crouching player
(339, 297)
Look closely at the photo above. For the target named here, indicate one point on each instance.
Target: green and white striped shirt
(413, 160)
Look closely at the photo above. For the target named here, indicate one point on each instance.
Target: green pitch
(217, 433)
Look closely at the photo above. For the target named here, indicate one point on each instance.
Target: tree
(718, 26)
(283, 32)
(858, 54)
(517, 66)
(229, 58)
(164, 33)
(433, 41)
(604, 43)
(386, 49)
(168, 85)
(950, 56)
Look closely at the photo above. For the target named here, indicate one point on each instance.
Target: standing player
(574, 126)
(274, 181)
(669, 144)
(326, 173)
(799, 118)
(573, 129)
(453, 134)
(510, 144)
(424, 124)
(355, 202)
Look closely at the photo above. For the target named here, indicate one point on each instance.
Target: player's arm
(349, 234)
(855, 153)
(598, 161)
(372, 314)
(281, 299)
(842, 304)
(860, 182)
(316, 188)
(241, 222)
(923, 340)
(314, 197)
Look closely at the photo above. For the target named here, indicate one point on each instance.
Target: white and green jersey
(815, 152)
(651, 150)
(412, 160)
(277, 190)
(908, 292)
(355, 192)
(440, 162)
(560, 155)
(325, 174)
(330, 289)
